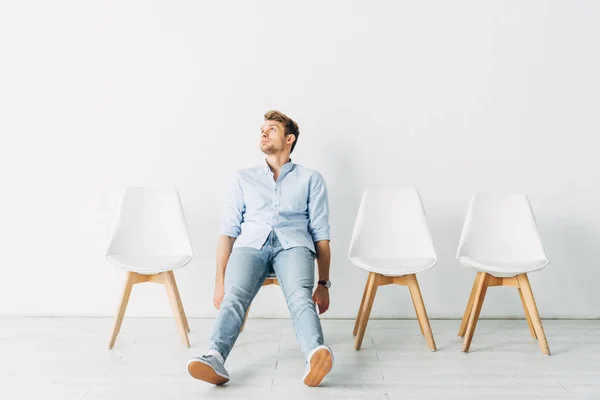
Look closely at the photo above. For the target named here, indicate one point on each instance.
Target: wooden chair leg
(533, 312)
(245, 319)
(418, 319)
(366, 309)
(415, 293)
(476, 309)
(362, 303)
(527, 316)
(169, 281)
(129, 279)
(465, 320)
(483, 293)
(180, 304)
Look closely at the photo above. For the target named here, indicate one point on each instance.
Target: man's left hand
(321, 297)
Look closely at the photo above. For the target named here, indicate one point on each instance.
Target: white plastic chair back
(391, 235)
(150, 234)
(500, 234)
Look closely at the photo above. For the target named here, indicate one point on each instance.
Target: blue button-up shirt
(295, 206)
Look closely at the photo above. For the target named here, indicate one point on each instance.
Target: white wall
(448, 97)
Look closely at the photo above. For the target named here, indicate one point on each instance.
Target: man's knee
(300, 299)
(238, 296)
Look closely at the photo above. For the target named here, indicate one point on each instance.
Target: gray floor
(67, 358)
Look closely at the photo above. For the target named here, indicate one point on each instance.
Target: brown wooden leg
(527, 316)
(533, 312)
(366, 310)
(415, 293)
(483, 293)
(465, 320)
(169, 281)
(129, 279)
(475, 310)
(417, 313)
(180, 304)
(362, 303)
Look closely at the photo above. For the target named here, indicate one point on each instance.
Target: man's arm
(224, 248)
(321, 294)
(318, 209)
(230, 229)
(318, 226)
(323, 259)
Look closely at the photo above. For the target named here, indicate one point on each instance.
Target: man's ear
(287, 139)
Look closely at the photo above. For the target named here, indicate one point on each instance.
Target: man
(276, 219)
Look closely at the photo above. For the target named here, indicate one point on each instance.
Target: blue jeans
(246, 271)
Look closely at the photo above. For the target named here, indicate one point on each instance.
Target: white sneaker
(318, 364)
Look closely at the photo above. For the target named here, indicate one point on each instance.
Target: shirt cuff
(231, 232)
(321, 234)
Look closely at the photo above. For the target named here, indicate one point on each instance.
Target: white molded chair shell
(391, 236)
(500, 236)
(150, 234)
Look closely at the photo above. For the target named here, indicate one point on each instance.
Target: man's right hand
(224, 249)
(218, 297)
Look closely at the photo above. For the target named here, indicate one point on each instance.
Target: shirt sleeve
(233, 214)
(318, 209)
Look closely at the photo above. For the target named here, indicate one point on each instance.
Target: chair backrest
(501, 228)
(150, 222)
(391, 223)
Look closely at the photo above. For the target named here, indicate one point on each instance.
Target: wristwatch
(327, 284)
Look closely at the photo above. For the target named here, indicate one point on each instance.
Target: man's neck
(277, 161)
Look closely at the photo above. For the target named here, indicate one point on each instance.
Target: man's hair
(291, 127)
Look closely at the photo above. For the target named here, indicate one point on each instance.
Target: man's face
(272, 137)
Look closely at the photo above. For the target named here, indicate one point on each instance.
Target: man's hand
(321, 297)
(223, 252)
(219, 293)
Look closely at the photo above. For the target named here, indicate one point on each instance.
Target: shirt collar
(286, 167)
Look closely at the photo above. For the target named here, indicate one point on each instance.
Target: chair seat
(394, 266)
(503, 269)
(149, 264)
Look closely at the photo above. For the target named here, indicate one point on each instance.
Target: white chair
(501, 241)
(149, 240)
(392, 241)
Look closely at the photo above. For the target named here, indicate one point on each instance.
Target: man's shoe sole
(320, 365)
(205, 372)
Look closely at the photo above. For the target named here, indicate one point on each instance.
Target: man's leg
(246, 270)
(295, 269)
